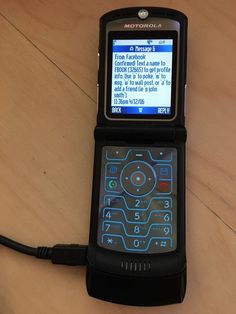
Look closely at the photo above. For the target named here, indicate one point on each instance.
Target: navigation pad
(138, 178)
(137, 204)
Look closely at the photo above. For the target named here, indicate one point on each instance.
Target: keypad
(137, 205)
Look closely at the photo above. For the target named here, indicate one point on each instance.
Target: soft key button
(116, 154)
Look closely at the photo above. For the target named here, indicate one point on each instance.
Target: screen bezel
(141, 35)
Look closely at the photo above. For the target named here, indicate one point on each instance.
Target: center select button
(138, 178)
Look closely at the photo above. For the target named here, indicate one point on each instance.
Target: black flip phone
(136, 252)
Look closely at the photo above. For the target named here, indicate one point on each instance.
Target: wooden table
(48, 65)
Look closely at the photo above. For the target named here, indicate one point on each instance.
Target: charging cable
(64, 254)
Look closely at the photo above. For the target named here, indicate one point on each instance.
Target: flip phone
(136, 252)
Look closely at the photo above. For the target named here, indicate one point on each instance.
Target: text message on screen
(141, 76)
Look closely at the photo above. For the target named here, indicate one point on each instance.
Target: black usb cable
(64, 254)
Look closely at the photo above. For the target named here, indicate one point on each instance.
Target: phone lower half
(136, 249)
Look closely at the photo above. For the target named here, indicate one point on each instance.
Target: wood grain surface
(48, 65)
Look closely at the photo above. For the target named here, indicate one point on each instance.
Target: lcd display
(142, 75)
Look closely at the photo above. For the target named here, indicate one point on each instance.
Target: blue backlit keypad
(138, 205)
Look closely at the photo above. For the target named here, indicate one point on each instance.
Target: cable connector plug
(70, 254)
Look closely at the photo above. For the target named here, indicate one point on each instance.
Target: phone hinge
(147, 134)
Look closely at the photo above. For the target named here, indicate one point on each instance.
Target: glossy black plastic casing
(165, 280)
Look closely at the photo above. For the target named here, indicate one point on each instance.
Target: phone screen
(142, 75)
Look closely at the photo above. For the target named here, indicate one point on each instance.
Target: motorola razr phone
(136, 252)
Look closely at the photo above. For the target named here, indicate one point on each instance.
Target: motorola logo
(150, 25)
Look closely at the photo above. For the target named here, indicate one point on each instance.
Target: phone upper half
(142, 67)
